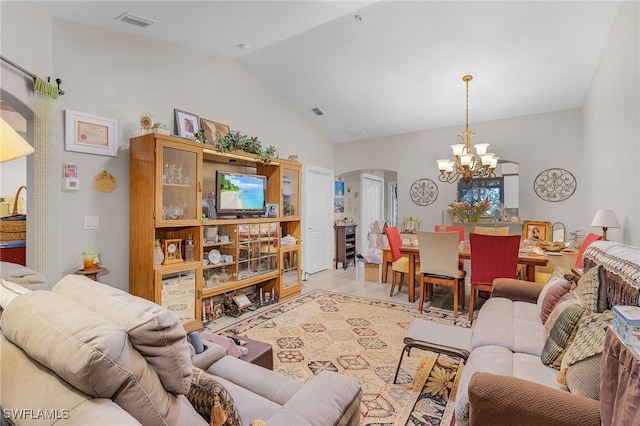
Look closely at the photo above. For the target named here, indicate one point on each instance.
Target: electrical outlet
(91, 222)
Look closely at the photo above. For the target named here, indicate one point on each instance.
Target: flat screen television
(241, 194)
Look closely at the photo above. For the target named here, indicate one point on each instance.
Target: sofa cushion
(512, 325)
(580, 367)
(89, 352)
(204, 389)
(24, 276)
(562, 334)
(553, 290)
(250, 405)
(589, 290)
(154, 331)
(25, 383)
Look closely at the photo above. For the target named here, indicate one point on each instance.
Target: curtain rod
(30, 74)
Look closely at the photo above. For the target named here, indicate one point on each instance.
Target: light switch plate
(91, 222)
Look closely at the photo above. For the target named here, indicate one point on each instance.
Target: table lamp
(12, 145)
(605, 219)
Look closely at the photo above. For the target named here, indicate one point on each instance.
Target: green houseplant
(237, 141)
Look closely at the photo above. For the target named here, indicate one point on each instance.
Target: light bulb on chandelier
(466, 166)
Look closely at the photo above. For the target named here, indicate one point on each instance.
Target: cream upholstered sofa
(505, 379)
(87, 353)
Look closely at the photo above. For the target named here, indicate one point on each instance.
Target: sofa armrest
(516, 290)
(211, 354)
(328, 399)
(496, 399)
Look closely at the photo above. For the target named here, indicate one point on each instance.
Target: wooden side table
(93, 273)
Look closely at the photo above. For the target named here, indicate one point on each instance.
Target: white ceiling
(399, 69)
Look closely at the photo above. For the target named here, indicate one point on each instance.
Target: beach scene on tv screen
(241, 192)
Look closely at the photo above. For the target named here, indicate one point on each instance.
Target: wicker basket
(13, 230)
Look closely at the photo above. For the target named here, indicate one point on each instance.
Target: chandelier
(466, 166)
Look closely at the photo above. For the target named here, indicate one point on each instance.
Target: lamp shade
(605, 219)
(12, 145)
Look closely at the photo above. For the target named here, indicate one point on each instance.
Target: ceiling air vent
(135, 20)
(317, 111)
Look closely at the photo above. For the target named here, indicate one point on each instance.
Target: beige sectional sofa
(505, 379)
(87, 353)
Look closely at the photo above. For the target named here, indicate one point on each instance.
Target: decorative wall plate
(555, 185)
(423, 192)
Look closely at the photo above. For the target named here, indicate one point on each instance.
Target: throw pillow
(563, 272)
(565, 301)
(561, 336)
(591, 292)
(580, 367)
(205, 393)
(551, 293)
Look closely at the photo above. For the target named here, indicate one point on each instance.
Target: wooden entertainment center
(172, 181)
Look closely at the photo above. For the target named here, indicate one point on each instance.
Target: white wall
(611, 151)
(536, 142)
(121, 76)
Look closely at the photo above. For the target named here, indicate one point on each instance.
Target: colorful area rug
(362, 338)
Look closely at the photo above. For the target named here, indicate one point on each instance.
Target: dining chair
(492, 230)
(588, 239)
(492, 256)
(460, 231)
(400, 263)
(439, 266)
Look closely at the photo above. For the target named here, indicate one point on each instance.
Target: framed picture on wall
(213, 131)
(187, 124)
(90, 134)
(536, 230)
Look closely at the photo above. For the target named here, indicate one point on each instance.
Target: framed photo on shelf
(271, 211)
(536, 230)
(213, 131)
(187, 124)
(90, 134)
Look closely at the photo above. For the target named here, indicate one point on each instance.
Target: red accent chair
(588, 239)
(400, 265)
(492, 256)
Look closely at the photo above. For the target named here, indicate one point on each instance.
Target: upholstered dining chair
(460, 231)
(439, 266)
(492, 256)
(586, 242)
(400, 263)
(492, 230)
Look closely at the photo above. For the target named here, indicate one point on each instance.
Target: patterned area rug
(362, 338)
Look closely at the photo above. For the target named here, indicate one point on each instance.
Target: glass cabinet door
(290, 190)
(257, 249)
(178, 192)
(178, 294)
(290, 270)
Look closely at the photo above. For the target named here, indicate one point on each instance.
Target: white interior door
(371, 206)
(318, 235)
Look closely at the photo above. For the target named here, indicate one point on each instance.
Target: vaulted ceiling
(378, 68)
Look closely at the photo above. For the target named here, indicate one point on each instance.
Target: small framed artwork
(536, 230)
(90, 134)
(272, 210)
(187, 124)
(213, 131)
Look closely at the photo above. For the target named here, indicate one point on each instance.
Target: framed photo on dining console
(536, 230)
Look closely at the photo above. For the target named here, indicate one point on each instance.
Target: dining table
(529, 260)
